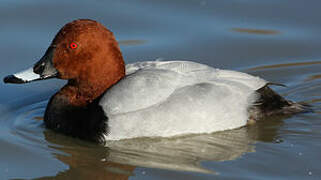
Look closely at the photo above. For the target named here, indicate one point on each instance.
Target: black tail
(270, 103)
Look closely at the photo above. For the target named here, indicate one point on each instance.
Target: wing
(152, 82)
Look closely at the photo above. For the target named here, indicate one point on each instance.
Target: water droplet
(203, 3)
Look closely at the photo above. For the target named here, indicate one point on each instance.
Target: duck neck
(84, 91)
(75, 110)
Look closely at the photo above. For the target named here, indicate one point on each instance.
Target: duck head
(83, 52)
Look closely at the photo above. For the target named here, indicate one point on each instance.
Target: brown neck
(84, 90)
(92, 69)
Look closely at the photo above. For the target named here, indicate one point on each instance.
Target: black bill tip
(13, 79)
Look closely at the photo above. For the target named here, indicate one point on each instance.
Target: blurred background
(277, 40)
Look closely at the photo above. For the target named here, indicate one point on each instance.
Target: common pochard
(106, 100)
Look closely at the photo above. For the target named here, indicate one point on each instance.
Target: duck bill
(43, 69)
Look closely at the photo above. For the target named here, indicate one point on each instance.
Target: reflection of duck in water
(85, 160)
(100, 102)
(121, 158)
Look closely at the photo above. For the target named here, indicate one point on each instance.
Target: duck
(105, 100)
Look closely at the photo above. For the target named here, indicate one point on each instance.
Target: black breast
(87, 123)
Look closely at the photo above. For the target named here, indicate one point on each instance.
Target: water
(276, 40)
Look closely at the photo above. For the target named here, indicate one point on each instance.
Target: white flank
(177, 97)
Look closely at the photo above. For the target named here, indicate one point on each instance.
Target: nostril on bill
(39, 68)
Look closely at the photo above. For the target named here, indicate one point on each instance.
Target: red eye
(73, 45)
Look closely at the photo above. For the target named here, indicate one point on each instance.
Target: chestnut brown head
(85, 48)
(83, 51)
